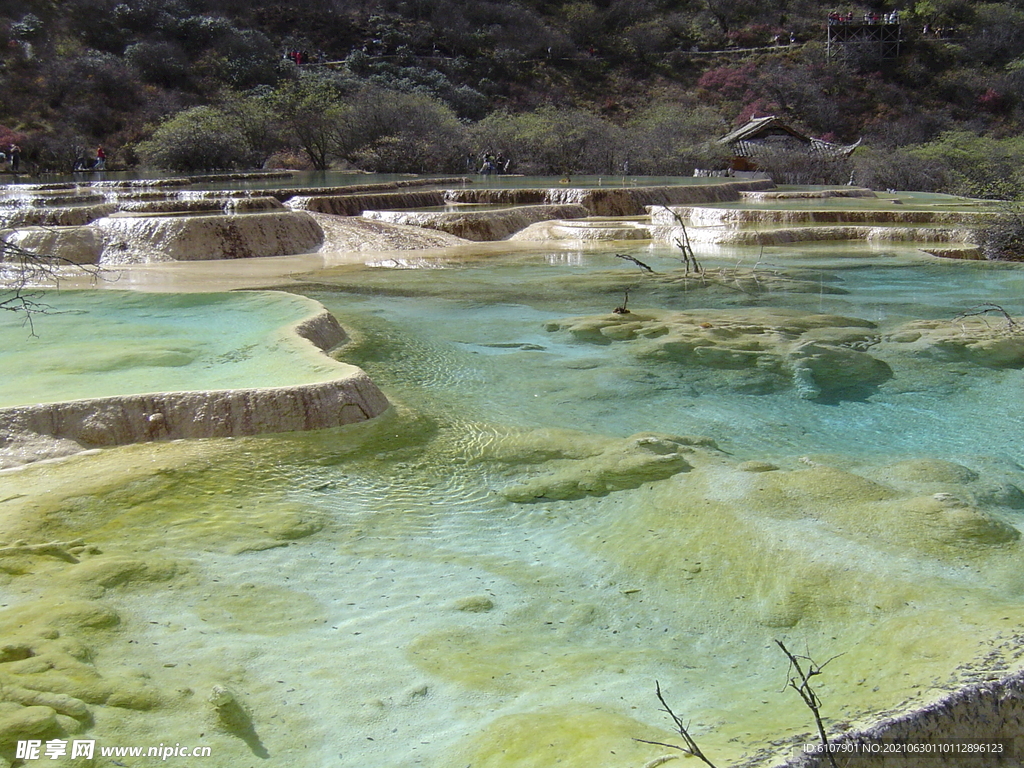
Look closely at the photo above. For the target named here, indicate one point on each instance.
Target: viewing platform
(877, 35)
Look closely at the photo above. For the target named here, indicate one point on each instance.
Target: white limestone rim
(480, 225)
(807, 194)
(141, 239)
(349, 398)
(583, 231)
(614, 200)
(703, 216)
(989, 712)
(822, 233)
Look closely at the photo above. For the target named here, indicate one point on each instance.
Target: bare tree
(803, 668)
(728, 13)
(682, 729)
(622, 308)
(801, 683)
(23, 273)
(634, 260)
(981, 310)
(683, 244)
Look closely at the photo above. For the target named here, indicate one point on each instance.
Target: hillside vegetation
(614, 86)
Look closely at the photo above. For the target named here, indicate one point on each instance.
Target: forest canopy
(604, 87)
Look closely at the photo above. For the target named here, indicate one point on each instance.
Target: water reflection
(566, 259)
(495, 572)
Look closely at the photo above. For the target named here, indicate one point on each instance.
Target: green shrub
(551, 141)
(975, 165)
(897, 169)
(198, 139)
(160, 63)
(393, 132)
(674, 139)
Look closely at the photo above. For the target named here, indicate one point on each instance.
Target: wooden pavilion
(762, 135)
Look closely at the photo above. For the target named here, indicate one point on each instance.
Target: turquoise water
(466, 348)
(483, 344)
(897, 201)
(101, 343)
(376, 598)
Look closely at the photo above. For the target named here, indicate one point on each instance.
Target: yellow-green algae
(725, 558)
(828, 557)
(761, 349)
(905, 567)
(103, 343)
(559, 736)
(65, 635)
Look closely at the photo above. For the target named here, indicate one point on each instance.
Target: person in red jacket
(101, 160)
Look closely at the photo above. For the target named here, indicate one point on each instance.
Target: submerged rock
(992, 342)
(671, 284)
(819, 355)
(20, 722)
(930, 471)
(575, 465)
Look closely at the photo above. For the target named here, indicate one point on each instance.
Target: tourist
(101, 160)
(15, 154)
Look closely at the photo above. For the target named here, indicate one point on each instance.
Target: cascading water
(563, 507)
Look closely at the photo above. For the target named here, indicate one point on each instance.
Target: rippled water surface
(477, 335)
(377, 599)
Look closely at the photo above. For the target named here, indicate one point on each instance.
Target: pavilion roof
(744, 140)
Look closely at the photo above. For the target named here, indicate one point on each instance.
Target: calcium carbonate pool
(372, 595)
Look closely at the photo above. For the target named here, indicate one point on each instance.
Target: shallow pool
(83, 344)
(386, 594)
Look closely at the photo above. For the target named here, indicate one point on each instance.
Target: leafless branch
(682, 729)
(22, 271)
(644, 267)
(801, 683)
(621, 309)
(984, 309)
(683, 244)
